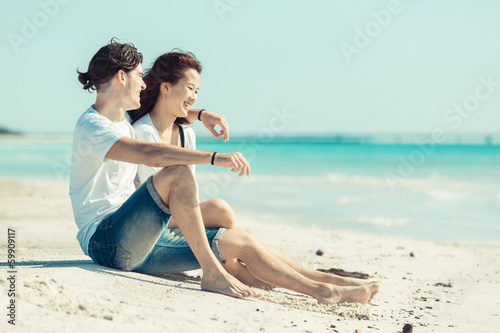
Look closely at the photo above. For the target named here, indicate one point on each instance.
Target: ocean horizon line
(480, 139)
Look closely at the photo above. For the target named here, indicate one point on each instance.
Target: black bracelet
(213, 158)
(199, 114)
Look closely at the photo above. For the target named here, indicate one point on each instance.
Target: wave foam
(382, 221)
(435, 187)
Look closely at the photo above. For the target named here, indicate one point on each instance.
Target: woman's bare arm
(210, 120)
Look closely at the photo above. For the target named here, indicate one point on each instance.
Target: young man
(124, 228)
(119, 226)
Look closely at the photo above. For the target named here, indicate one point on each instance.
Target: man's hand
(235, 161)
(210, 120)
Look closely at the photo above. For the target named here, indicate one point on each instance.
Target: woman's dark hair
(107, 62)
(169, 67)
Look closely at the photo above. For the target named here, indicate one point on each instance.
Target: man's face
(134, 86)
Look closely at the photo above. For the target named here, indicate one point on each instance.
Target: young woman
(172, 88)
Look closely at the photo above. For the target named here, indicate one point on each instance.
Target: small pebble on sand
(408, 328)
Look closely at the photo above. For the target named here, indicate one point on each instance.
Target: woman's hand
(210, 120)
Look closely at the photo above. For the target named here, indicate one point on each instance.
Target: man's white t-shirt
(146, 131)
(98, 186)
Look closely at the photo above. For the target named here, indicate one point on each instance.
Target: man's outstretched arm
(164, 155)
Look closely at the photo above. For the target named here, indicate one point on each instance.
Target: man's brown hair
(107, 62)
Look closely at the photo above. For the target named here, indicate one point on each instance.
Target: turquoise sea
(444, 192)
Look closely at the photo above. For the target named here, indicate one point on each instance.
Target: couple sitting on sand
(135, 198)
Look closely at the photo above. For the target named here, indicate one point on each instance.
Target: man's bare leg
(265, 266)
(238, 270)
(177, 189)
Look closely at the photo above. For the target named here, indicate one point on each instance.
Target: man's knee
(177, 171)
(175, 175)
(175, 179)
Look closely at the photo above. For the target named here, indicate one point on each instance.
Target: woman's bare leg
(265, 266)
(216, 213)
(241, 272)
(321, 276)
(238, 270)
(317, 275)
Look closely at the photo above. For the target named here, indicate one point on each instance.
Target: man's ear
(121, 77)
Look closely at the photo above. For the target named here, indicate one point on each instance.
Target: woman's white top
(146, 131)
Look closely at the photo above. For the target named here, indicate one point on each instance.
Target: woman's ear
(165, 86)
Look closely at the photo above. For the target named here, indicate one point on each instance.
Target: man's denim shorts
(136, 237)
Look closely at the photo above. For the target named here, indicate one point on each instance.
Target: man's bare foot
(330, 294)
(223, 283)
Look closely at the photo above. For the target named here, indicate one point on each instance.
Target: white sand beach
(443, 287)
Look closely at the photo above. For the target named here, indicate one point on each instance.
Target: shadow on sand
(91, 266)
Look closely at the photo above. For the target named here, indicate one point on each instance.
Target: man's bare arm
(164, 155)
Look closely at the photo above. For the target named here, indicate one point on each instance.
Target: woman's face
(182, 95)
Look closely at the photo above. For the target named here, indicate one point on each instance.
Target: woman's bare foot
(350, 282)
(223, 283)
(375, 292)
(342, 281)
(358, 282)
(330, 294)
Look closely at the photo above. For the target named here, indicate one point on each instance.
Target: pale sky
(332, 66)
